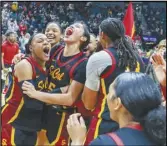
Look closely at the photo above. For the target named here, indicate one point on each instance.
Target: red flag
(129, 21)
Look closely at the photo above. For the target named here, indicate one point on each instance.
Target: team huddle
(56, 79)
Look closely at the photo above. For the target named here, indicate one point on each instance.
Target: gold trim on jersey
(11, 93)
(9, 97)
(17, 111)
(102, 107)
(4, 108)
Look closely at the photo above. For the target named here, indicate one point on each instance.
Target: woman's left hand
(29, 89)
(159, 65)
(76, 129)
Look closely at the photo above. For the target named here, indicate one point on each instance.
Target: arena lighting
(150, 43)
(149, 39)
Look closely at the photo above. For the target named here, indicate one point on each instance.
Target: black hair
(115, 30)
(8, 33)
(142, 98)
(27, 46)
(58, 24)
(85, 34)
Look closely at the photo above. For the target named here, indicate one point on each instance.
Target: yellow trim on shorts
(12, 136)
(60, 129)
(11, 93)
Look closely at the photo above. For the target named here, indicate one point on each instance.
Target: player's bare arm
(67, 99)
(23, 71)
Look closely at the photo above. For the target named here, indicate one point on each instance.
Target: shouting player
(21, 116)
(67, 67)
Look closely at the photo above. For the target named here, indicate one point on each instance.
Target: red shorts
(11, 136)
(7, 135)
(8, 111)
(92, 130)
(63, 139)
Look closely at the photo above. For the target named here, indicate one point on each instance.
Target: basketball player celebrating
(21, 116)
(67, 66)
(118, 56)
(53, 32)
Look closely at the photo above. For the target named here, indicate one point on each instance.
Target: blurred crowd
(28, 18)
(156, 20)
(21, 20)
(33, 16)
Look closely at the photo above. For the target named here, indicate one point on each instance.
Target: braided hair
(126, 51)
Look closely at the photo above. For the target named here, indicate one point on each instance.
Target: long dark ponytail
(126, 51)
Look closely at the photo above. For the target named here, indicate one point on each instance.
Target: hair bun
(155, 124)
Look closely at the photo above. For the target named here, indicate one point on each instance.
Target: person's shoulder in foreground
(103, 140)
(127, 136)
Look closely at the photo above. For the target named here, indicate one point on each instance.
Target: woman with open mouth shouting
(67, 66)
(53, 33)
(21, 116)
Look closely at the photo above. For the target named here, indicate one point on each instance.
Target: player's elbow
(88, 105)
(69, 103)
(70, 100)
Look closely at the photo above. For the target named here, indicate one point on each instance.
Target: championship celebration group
(83, 73)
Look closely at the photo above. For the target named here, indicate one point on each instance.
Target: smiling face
(40, 47)
(74, 33)
(53, 33)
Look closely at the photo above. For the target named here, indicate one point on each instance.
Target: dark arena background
(149, 17)
(61, 58)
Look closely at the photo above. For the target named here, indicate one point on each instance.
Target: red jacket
(9, 50)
